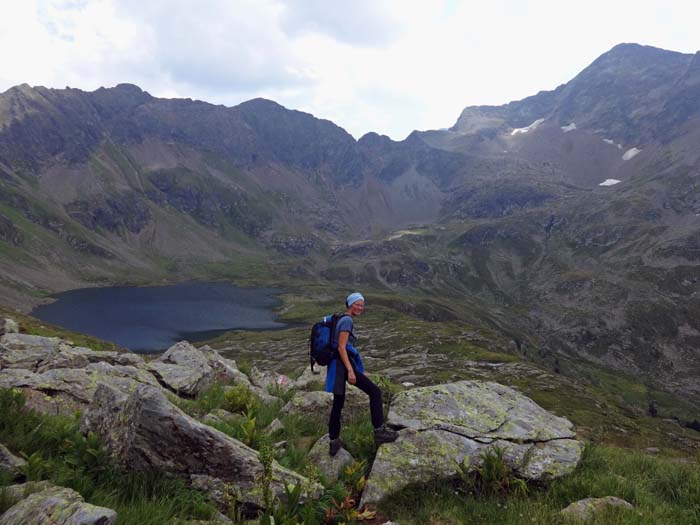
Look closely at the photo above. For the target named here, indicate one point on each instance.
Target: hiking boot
(335, 446)
(384, 435)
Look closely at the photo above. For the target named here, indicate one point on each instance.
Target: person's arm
(342, 351)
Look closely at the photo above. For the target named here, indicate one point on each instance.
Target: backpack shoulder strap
(336, 317)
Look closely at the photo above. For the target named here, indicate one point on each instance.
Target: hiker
(347, 366)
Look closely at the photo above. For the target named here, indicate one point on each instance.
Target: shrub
(240, 399)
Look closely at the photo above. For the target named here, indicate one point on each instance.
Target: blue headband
(353, 297)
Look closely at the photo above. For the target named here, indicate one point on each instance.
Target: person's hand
(351, 377)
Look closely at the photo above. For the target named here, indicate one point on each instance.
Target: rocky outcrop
(39, 354)
(65, 390)
(56, 506)
(79, 357)
(443, 425)
(583, 510)
(187, 370)
(59, 378)
(10, 464)
(144, 431)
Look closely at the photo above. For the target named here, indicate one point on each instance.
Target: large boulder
(188, 371)
(145, 431)
(10, 464)
(56, 506)
(440, 426)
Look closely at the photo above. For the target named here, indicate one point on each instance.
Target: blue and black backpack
(321, 349)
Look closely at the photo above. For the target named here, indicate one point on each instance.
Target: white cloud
(365, 23)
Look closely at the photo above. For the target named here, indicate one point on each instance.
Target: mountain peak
(261, 103)
(631, 54)
(21, 90)
(129, 88)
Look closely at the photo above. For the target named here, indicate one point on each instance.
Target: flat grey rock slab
(40, 354)
(477, 409)
(57, 506)
(72, 387)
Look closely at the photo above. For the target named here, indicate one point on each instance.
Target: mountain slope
(503, 214)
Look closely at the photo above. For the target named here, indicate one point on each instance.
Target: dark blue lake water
(150, 319)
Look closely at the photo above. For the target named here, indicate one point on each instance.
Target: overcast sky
(368, 65)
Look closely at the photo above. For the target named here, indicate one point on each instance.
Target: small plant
(245, 366)
(388, 387)
(211, 399)
(353, 476)
(248, 428)
(291, 511)
(232, 498)
(11, 400)
(265, 480)
(345, 511)
(493, 477)
(85, 453)
(239, 399)
(36, 468)
(283, 392)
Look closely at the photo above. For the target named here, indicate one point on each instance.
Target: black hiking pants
(375, 405)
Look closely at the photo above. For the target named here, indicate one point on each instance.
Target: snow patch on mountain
(612, 143)
(609, 182)
(631, 153)
(568, 128)
(528, 128)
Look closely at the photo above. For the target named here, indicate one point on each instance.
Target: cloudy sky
(388, 66)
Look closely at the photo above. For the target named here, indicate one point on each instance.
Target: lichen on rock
(443, 425)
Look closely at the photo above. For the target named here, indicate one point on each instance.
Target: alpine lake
(149, 319)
